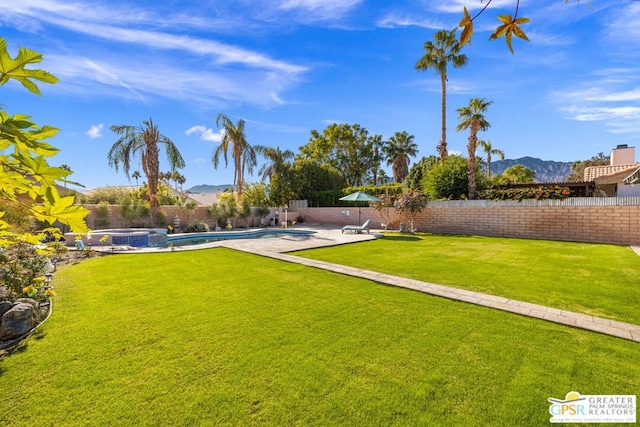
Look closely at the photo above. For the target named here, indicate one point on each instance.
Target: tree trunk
(442, 147)
(471, 151)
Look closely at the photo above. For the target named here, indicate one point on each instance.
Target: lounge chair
(357, 228)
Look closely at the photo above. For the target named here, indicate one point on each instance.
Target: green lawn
(594, 279)
(222, 337)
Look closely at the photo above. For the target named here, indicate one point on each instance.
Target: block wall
(618, 225)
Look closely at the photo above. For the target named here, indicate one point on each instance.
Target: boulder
(17, 321)
(5, 306)
(35, 304)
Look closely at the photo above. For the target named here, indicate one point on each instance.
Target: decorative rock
(17, 321)
(5, 306)
(34, 304)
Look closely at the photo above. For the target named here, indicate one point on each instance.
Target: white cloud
(611, 98)
(95, 131)
(394, 20)
(319, 10)
(206, 134)
(185, 67)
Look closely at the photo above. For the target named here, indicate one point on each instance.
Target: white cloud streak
(140, 64)
(205, 133)
(95, 131)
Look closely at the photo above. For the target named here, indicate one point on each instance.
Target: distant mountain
(546, 170)
(209, 189)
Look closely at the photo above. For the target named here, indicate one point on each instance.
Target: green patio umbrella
(359, 196)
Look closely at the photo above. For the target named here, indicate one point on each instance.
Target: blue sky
(289, 66)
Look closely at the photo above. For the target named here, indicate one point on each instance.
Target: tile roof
(591, 173)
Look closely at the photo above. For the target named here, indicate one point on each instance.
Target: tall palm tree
(275, 159)
(472, 118)
(144, 140)
(397, 151)
(443, 50)
(244, 156)
(377, 144)
(486, 147)
(136, 175)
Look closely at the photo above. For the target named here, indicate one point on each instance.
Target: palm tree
(144, 140)
(472, 118)
(378, 144)
(244, 156)
(486, 147)
(397, 151)
(275, 159)
(443, 50)
(136, 175)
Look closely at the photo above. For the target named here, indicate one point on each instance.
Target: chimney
(623, 155)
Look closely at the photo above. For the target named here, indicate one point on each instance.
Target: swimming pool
(216, 236)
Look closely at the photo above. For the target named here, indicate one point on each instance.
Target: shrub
(196, 226)
(449, 179)
(160, 217)
(102, 214)
(22, 271)
(536, 193)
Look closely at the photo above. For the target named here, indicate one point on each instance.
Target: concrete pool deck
(331, 236)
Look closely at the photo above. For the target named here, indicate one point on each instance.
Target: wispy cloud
(395, 20)
(95, 131)
(602, 100)
(205, 133)
(318, 10)
(136, 56)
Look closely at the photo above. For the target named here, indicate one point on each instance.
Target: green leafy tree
(243, 155)
(418, 171)
(281, 186)
(228, 208)
(144, 140)
(578, 167)
(410, 203)
(255, 194)
(27, 181)
(439, 53)
(516, 174)
(308, 176)
(488, 151)
(132, 208)
(449, 179)
(472, 118)
(275, 159)
(398, 151)
(347, 148)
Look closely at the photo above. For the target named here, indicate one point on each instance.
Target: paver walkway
(610, 327)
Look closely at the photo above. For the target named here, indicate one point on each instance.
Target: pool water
(210, 237)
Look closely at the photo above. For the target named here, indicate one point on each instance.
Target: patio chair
(357, 228)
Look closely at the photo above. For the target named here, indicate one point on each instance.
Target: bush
(449, 179)
(102, 214)
(22, 272)
(196, 226)
(536, 193)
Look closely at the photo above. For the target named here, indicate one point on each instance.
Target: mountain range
(546, 170)
(209, 189)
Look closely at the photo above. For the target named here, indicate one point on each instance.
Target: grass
(222, 337)
(594, 279)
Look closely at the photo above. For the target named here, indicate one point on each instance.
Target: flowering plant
(22, 272)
